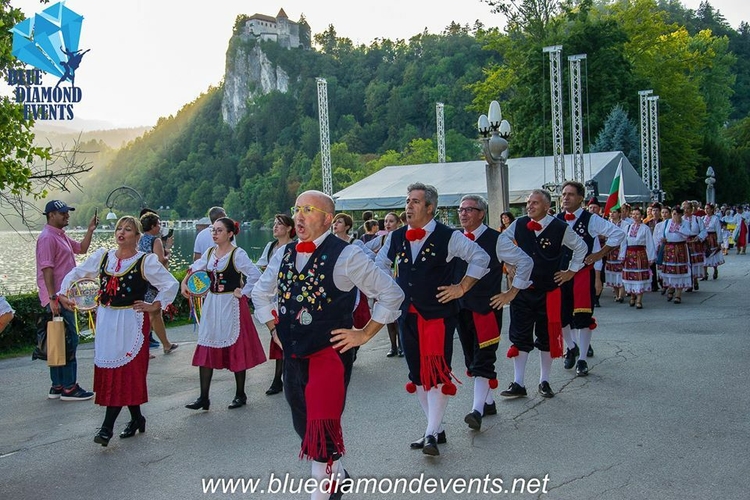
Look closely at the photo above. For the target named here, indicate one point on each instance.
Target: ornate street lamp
(495, 133)
(112, 197)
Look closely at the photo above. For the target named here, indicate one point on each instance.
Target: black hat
(594, 201)
(57, 206)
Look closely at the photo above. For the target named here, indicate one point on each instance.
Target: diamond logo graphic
(49, 41)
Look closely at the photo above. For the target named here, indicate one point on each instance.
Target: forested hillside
(382, 106)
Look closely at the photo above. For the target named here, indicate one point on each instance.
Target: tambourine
(198, 283)
(84, 294)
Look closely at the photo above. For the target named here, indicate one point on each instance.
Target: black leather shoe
(430, 446)
(337, 488)
(133, 426)
(570, 357)
(474, 419)
(274, 389)
(103, 436)
(391, 353)
(582, 368)
(590, 352)
(490, 409)
(400, 353)
(545, 390)
(514, 391)
(419, 443)
(237, 402)
(199, 404)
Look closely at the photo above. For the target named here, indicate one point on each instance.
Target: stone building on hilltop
(279, 29)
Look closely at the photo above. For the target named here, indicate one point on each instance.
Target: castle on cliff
(279, 29)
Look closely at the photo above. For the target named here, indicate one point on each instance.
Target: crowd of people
(323, 289)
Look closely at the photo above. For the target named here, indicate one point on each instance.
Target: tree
(619, 134)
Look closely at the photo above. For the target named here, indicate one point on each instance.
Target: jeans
(65, 376)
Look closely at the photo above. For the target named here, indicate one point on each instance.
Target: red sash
(582, 291)
(433, 368)
(488, 333)
(554, 322)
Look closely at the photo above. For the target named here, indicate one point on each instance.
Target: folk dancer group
(428, 276)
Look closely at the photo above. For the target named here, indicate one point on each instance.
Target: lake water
(18, 265)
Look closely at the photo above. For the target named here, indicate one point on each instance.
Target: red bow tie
(415, 234)
(306, 247)
(470, 236)
(533, 226)
(570, 216)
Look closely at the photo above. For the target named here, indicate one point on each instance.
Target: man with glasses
(479, 324)
(306, 298)
(423, 255)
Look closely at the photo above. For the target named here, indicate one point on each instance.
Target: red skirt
(274, 351)
(124, 385)
(362, 312)
(244, 354)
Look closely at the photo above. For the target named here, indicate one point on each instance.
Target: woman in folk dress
(227, 337)
(613, 266)
(712, 245)
(121, 341)
(637, 253)
(675, 268)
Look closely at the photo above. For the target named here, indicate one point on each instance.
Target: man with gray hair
(537, 310)
(479, 324)
(205, 240)
(423, 256)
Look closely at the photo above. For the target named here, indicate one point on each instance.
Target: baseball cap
(57, 206)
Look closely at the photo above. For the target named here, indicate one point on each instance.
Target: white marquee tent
(386, 189)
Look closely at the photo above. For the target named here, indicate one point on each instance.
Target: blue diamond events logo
(48, 42)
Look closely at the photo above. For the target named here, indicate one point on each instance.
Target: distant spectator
(205, 239)
(371, 231)
(361, 230)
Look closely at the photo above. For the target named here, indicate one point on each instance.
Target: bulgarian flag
(616, 197)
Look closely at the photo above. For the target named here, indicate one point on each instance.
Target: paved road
(663, 415)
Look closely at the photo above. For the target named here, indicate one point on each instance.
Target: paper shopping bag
(56, 342)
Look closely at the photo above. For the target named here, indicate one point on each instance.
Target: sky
(149, 58)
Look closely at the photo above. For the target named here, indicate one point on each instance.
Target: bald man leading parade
(310, 286)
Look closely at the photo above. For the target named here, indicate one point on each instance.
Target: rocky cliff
(248, 73)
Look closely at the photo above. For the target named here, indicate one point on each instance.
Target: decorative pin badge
(305, 318)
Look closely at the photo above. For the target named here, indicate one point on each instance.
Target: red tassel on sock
(493, 383)
(411, 387)
(512, 352)
(449, 389)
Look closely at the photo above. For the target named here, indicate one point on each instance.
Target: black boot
(277, 385)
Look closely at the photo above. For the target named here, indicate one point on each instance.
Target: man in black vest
(310, 288)
(479, 324)
(424, 254)
(537, 308)
(578, 295)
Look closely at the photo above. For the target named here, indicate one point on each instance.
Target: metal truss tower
(645, 130)
(555, 83)
(653, 115)
(440, 131)
(325, 136)
(576, 116)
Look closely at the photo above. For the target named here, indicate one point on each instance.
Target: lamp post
(112, 197)
(495, 133)
(710, 189)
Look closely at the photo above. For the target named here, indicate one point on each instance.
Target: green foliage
(619, 134)
(17, 150)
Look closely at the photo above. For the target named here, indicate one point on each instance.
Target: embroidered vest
(419, 276)
(547, 251)
(478, 298)
(131, 284)
(225, 280)
(310, 306)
